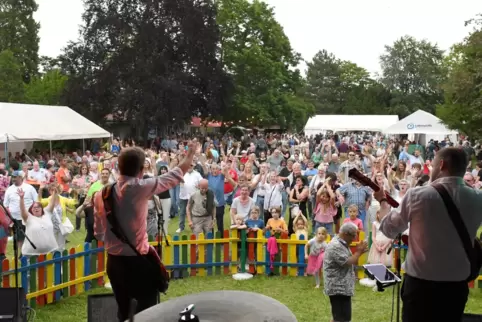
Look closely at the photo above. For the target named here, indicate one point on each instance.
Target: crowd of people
(281, 183)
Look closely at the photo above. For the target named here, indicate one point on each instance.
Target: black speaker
(472, 318)
(101, 308)
(8, 305)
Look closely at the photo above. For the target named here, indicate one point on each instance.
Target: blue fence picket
(57, 275)
(301, 257)
(266, 253)
(24, 275)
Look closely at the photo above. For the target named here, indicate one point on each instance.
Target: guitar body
(161, 276)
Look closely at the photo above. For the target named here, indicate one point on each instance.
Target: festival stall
(28, 123)
(337, 123)
(422, 127)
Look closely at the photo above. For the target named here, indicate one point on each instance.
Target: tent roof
(419, 122)
(25, 122)
(320, 123)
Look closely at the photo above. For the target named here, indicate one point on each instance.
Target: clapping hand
(20, 193)
(362, 247)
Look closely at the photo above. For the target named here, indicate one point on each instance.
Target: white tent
(23, 123)
(419, 122)
(321, 123)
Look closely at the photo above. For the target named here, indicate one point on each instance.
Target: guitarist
(129, 274)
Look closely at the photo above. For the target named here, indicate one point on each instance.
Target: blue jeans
(182, 213)
(174, 193)
(284, 200)
(328, 227)
(260, 204)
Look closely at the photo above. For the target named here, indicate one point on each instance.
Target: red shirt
(243, 160)
(228, 187)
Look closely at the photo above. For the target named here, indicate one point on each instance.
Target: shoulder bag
(473, 249)
(160, 276)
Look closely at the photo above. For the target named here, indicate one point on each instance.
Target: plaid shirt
(355, 195)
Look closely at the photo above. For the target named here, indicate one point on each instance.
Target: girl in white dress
(380, 244)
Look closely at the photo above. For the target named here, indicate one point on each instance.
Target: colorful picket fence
(50, 278)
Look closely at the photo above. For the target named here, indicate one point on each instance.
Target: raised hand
(20, 193)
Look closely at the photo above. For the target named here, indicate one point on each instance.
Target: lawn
(297, 293)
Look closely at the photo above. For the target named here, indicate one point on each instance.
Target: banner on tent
(412, 126)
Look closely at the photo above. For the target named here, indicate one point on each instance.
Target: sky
(355, 30)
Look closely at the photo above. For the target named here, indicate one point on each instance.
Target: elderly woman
(339, 273)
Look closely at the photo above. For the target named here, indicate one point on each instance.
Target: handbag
(160, 276)
(66, 227)
(472, 249)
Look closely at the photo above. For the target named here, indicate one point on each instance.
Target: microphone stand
(398, 268)
(161, 233)
(15, 229)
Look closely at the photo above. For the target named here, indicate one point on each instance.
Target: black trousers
(130, 279)
(89, 224)
(426, 301)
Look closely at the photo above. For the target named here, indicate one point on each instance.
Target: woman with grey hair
(339, 273)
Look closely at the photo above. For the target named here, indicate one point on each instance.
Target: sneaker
(317, 286)
(179, 230)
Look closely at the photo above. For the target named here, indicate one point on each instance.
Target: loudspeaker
(8, 299)
(101, 308)
(472, 318)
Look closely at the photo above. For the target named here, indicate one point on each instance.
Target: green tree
(152, 63)
(258, 55)
(343, 87)
(413, 71)
(19, 33)
(46, 89)
(462, 109)
(11, 83)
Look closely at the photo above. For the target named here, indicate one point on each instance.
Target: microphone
(365, 181)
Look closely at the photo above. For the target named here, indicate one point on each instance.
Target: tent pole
(7, 159)
(51, 156)
(83, 146)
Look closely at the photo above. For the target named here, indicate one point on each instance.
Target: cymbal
(220, 306)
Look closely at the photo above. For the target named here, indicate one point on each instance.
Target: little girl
(238, 222)
(352, 217)
(317, 247)
(380, 243)
(276, 224)
(300, 224)
(325, 207)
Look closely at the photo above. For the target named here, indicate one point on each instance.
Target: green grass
(297, 293)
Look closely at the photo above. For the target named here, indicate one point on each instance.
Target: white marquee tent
(321, 123)
(24, 123)
(419, 122)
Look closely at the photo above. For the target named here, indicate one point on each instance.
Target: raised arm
(23, 210)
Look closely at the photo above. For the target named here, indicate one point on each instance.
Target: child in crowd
(276, 224)
(352, 217)
(254, 223)
(325, 208)
(316, 246)
(300, 224)
(239, 223)
(380, 244)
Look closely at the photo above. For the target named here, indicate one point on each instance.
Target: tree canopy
(258, 56)
(462, 108)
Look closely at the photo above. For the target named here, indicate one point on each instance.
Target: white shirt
(189, 187)
(273, 196)
(39, 175)
(260, 188)
(40, 231)
(12, 200)
(435, 252)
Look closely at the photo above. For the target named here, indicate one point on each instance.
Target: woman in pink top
(353, 213)
(325, 208)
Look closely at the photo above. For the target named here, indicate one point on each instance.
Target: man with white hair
(339, 273)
